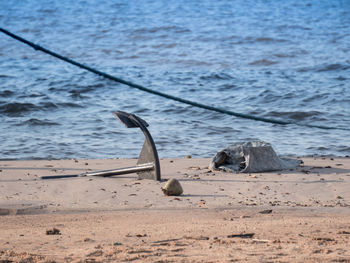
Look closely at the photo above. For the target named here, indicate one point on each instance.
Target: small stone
(268, 211)
(172, 187)
(344, 232)
(202, 202)
(53, 231)
(188, 156)
(117, 244)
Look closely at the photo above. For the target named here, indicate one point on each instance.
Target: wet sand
(300, 215)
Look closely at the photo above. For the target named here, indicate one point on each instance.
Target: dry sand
(301, 215)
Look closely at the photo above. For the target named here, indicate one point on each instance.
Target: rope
(161, 94)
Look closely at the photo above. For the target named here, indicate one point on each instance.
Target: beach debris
(172, 187)
(268, 211)
(166, 240)
(202, 203)
(87, 239)
(248, 235)
(322, 251)
(53, 231)
(344, 232)
(326, 239)
(95, 253)
(251, 157)
(196, 237)
(260, 240)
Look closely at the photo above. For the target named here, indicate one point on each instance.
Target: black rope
(164, 95)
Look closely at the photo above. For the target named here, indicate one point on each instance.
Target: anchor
(147, 166)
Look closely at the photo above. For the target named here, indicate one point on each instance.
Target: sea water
(287, 60)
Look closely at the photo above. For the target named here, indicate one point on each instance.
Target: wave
(253, 40)
(326, 68)
(5, 76)
(263, 62)
(295, 115)
(6, 93)
(332, 67)
(17, 108)
(174, 29)
(216, 76)
(69, 105)
(37, 122)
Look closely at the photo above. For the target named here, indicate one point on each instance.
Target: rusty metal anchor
(147, 167)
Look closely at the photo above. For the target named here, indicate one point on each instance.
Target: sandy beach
(300, 215)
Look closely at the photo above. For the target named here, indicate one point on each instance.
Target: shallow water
(286, 60)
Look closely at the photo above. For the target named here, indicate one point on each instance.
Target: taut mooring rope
(164, 95)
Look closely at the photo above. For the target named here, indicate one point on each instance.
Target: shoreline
(20, 180)
(296, 156)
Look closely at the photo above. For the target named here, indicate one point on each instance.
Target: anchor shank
(126, 170)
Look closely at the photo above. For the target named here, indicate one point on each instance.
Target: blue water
(279, 59)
